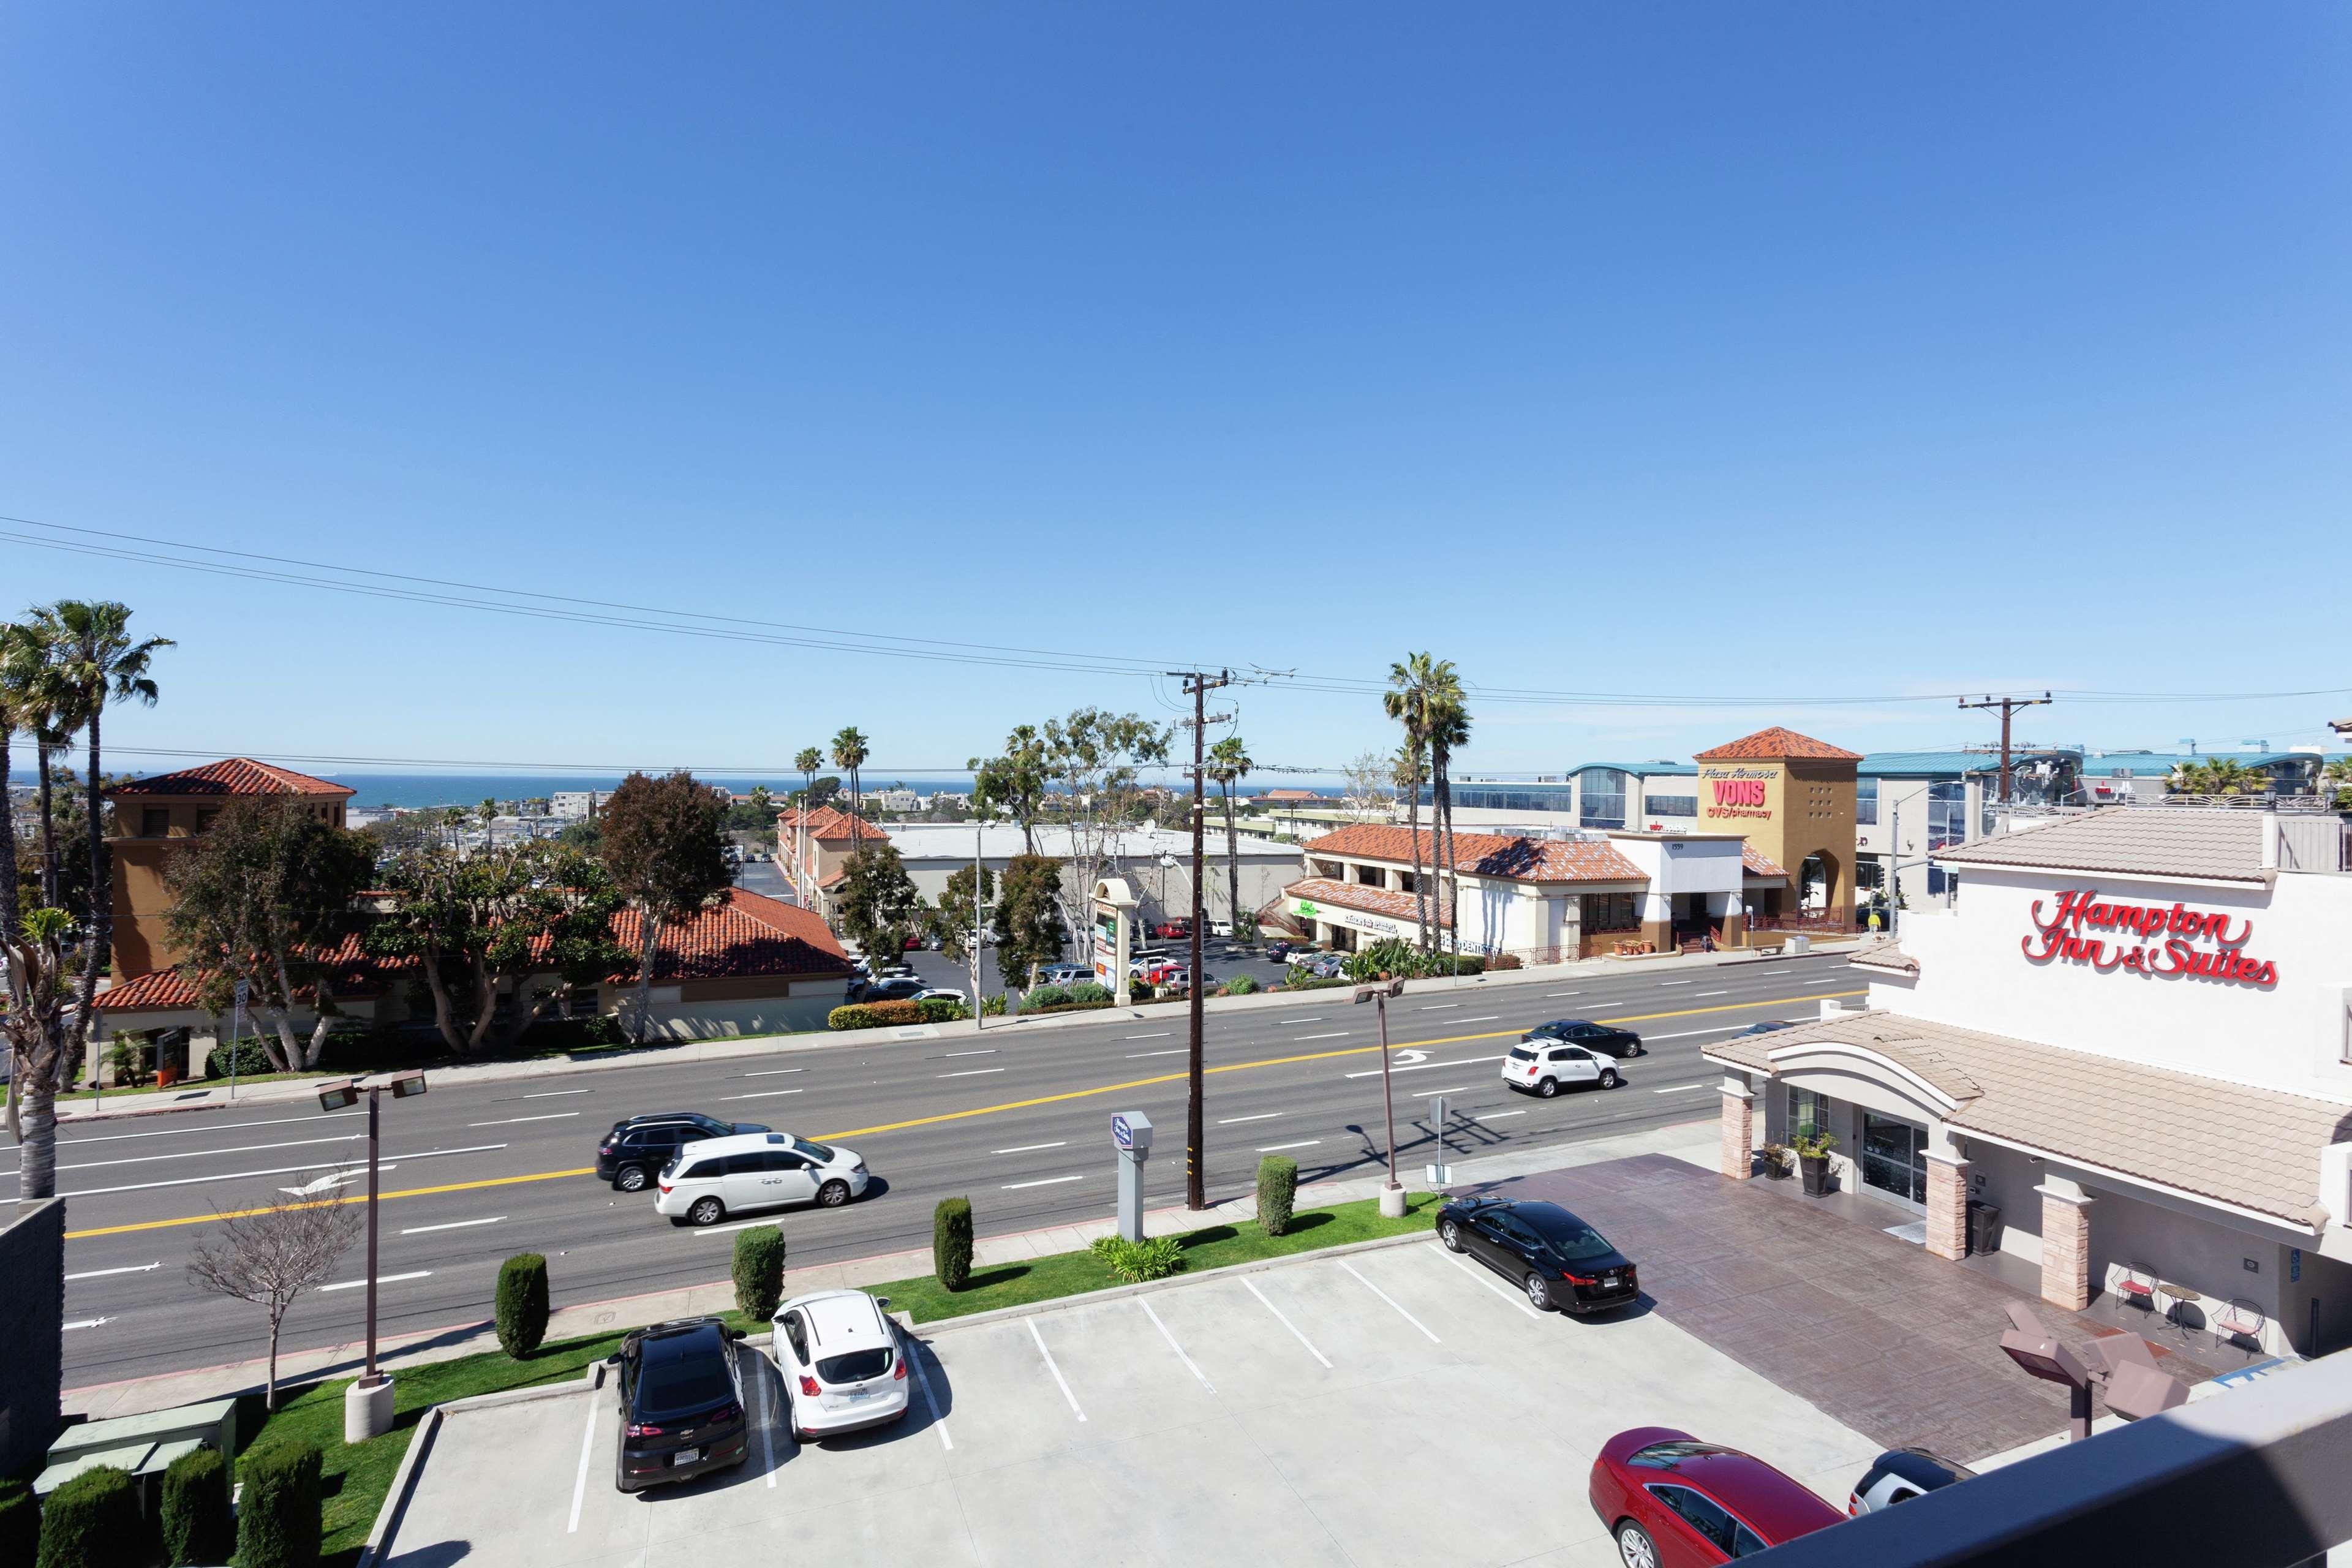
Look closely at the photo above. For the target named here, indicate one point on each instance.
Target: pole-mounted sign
(1130, 1134)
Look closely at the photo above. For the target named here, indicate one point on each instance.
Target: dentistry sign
(2170, 940)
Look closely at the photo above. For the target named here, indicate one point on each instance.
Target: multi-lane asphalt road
(1017, 1120)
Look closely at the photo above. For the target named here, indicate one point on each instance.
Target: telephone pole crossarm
(1198, 684)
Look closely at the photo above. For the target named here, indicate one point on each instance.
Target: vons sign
(2145, 939)
(1737, 791)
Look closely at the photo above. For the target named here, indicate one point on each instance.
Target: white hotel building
(2131, 1033)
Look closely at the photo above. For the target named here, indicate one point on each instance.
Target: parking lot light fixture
(1392, 1195)
(367, 1404)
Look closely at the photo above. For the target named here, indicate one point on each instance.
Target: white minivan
(707, 1181)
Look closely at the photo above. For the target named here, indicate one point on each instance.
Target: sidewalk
(1695, 1142)
(205, 1094)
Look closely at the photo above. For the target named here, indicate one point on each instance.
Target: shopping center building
(2130, 1033)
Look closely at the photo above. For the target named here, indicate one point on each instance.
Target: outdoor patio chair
(2241, 1321)
(2137, 1286)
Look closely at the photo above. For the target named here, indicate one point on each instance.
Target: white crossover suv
(843, 1366)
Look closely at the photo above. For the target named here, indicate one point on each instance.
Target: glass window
(1608, 911)
(1808, 1113)
(1600, 797)
(681, 1387)
(154, 821)
(1674, 805)
(856, 1366)
(1948, 814)
(1865, 803)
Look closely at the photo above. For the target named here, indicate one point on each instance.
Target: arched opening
(1815, 881)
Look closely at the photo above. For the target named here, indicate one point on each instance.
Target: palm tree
(1449, 730)
(94, 662)
(1229, 763)
(2218, 775)
(27, 669)
(809, 759)
(1410, 701)
(2338, 776)
(849, 753)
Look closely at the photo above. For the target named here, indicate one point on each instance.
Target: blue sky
(1825, 352)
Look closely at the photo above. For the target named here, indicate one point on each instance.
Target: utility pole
(971, 942)
(2007, 706)
(1198, 684)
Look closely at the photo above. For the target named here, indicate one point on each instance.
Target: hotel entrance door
(1894, 1157)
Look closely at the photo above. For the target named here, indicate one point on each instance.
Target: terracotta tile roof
(353, 972)
(1291, 795)
(825, 824)
(1880, 952)
(2160, 841)
(1511, 857)
(2256, 1148)
(1756, 863)
(236, 775)
(1774, 745)
(1369, 901)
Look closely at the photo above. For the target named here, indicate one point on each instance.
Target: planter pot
(166, 1077)
(1779, 1171)
(1816, 1170)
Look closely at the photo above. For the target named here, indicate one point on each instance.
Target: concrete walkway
(1692, 1142)
(207, 1094)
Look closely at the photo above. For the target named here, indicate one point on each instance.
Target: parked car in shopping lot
(709, 1181)
(681, 1403)
(1545, 1067)
(1593, 1036)
(937, 994)
(842, 1367)
(1064, 974)
(1558, 1260)
(635, 1149)
(1281, 947)
(896, 988)
(1672, 1502)
(1901, 1474)
(1223, 929)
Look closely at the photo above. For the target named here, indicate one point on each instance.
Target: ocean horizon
(419, 791)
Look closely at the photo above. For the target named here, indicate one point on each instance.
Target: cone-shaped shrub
(520, 1308)
(951, 1243)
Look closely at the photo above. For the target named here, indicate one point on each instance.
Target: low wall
(32, 1309)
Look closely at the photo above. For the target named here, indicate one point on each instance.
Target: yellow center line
(982, 1111)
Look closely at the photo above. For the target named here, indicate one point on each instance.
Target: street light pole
(367, 1404)
(1392, 1195)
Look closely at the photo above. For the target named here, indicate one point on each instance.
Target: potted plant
(1779, 1161)
(1812, 1148)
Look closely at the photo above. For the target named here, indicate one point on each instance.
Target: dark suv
(681, 1403)
(635, 1150)
(1591, 1035)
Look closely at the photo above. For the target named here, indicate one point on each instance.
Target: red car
(1673, 1501)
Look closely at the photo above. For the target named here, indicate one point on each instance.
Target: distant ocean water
(417, 790)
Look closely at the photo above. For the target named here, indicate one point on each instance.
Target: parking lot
(1394, 1405)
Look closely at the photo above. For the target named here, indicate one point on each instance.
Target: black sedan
(636, 1148)
(681, 1403)
(1591, 1035)
(1562, 1263)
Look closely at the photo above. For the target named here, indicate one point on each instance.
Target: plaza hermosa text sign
(2167, 938)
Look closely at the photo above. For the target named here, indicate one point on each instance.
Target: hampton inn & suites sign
(2145, 939)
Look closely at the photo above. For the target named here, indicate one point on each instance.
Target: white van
(707, 1181)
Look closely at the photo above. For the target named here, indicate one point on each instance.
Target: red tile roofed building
(1794, 798)
(155, 817)
(1773, 745)
(811, 845)
(1541, 899)
(1290, 796)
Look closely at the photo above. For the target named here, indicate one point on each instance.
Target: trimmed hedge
(1241, 985)
(951, 1243)
(20, 1522)
(520, 1304)
(197, 1525)
(1045, 996)
(1093, 991)
(1278, 1192)
(252, 1059)
(874, 1015)
(278, 1520)
(759, 1271)
(94, 1520)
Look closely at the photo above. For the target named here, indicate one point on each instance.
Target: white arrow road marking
(101, 1273)
(1403, 1059)
(274, 1170)
(85, 1323)
(1424, 1067)
(326, 1183)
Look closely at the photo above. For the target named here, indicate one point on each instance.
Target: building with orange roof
(1793, 797)
(811, 843)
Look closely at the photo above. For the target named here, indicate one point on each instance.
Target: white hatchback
(842, 1367)
(707, 1181)
(1547, 1067)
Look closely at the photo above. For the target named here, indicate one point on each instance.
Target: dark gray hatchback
(681, 1404)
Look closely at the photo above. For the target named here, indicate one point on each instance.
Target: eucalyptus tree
(1014, 782)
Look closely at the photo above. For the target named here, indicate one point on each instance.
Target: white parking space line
(759, 1094)
(580, 1480)
(1427, 1067)
(1392, 1300)
(1053, 1369)
(1145, 1303)
(1031, 1148)
(1048, 1181)
(221, 1127)
(1710, 992)
(557, 1093)
(1279, 1147)
(102, 1273)
(1286, 1322)
(971, 1072)
(1493, 1115)
(1261, 1116)
(277, 1171)
(990, 1052)
(1426, 1093)
(1472, 1269)
(774, 1072)
(923, 1382)
(453, 1224)
(1155, 1035)
(1335, 1034)
(200, 1154)
(1139, 1056)
(1678, 1089)
(767, 1443)
(512, 1121)
(381, 1279)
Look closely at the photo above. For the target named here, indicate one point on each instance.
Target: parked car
(1329, 966)
(681, 1403)
(937, 994)
(1591, 1035)
(842, 1367)
(1557, 1259)
(1546, 1067)
(1065, 974)
(1672, 1502)
(1172, 931)
(1223, 928)
(1901, 1474)
(1280, 947)
(897, 988)
(635, 1149)
(709, 1181)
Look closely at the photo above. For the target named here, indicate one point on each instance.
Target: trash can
(1984, 1228)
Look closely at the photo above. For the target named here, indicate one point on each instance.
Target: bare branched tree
(269, 1255)
(1370, 786)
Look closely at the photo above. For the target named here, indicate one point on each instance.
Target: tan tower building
(1793, 797)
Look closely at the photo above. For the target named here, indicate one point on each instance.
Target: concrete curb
(404, 1480)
